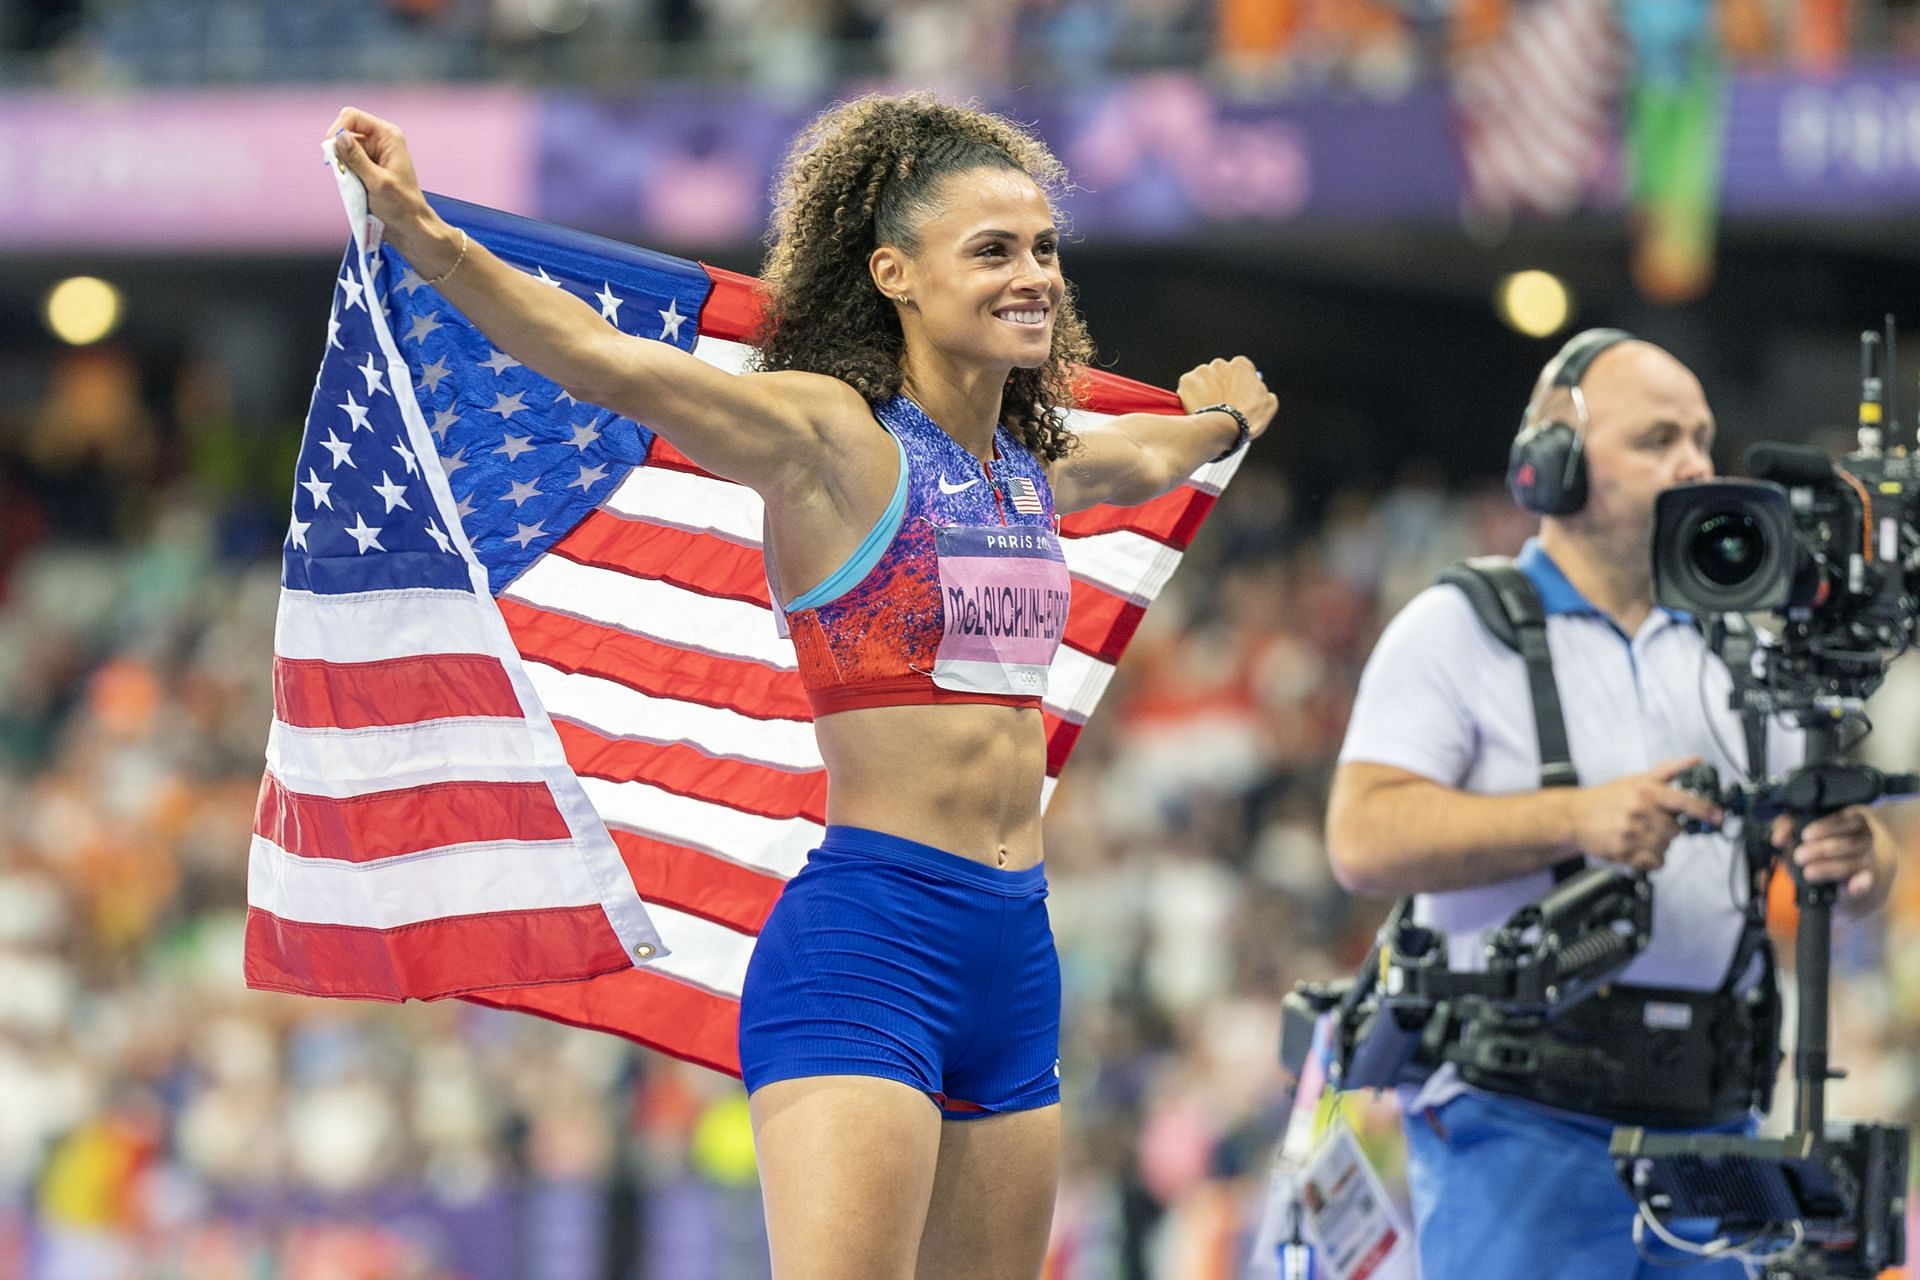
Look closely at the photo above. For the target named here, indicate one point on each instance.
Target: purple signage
(692, 168)
(1836, 145)
(231, 171)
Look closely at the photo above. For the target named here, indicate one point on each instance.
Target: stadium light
(83, 309)
(1534, 302)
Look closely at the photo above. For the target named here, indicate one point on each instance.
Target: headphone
(1547, 467)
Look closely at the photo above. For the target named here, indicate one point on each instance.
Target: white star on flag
(358, 412)
(609, 305)
(412, 281)
(671, 320)
(423, 324)
(514, 446)
(525, 533)
(431, 374)
(394, 495)
(297, 532)
(376, 380)
(342, 451)
(452, 464)
(406, 457)
(521, 491)
(499, 362)
(439, 536)
(547, 279)
(368, 536)
(443, 420)
(507, 406)
(589, 477)
(333, 330)
(354, 289)
(584, 435)
(319, 488)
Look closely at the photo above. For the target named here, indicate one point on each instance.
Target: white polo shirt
(1441, 697)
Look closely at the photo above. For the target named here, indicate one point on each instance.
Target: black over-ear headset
(1547, 468)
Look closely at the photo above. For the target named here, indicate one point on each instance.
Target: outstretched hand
(376, 153)
(1235, 382)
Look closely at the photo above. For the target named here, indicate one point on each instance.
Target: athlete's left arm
(1854, 848)
(1138, 456)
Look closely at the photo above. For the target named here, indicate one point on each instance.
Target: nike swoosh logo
(957, 488)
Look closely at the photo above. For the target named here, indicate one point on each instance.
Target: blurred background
(1397, 207)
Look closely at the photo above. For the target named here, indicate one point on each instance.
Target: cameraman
(1438, 793)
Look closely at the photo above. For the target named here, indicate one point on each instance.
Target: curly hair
(865, 174)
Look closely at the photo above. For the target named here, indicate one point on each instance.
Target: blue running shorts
(891, 958)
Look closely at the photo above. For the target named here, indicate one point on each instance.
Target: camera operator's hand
(1849, 848)
(1633, 819)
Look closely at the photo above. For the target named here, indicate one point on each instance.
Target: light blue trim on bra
(858, 565)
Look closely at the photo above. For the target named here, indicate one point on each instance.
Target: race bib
(1003, 601)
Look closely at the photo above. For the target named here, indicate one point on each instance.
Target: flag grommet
(644, 951)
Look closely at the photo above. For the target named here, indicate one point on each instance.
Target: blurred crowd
(161, 1121)
(1373, 46)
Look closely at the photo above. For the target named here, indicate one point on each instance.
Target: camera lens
(1728, 548)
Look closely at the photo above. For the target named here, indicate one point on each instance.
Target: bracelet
(462, 257)
(1240, 440)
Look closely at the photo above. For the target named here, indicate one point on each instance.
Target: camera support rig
(1832, 1193)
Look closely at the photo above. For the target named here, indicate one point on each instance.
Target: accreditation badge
(1003, 602)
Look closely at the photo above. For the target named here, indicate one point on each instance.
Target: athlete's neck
(1612, 574)
(963, 402)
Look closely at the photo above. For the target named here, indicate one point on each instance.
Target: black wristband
(1240, 440)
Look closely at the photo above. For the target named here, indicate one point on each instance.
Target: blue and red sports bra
(958, 593)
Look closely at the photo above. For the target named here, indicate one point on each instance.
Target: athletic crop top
(958, 594)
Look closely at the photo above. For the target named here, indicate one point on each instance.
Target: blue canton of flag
(524, 459)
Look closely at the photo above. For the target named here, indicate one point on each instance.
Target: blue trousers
(1509, 1190)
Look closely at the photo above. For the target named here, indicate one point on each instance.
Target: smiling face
(981, 284)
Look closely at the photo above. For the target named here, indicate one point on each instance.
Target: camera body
(1832, 548)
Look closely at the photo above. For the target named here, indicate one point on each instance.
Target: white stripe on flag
(660, 610)
(662, 495)
(373, 626)
(778, 846)
(388, 893)
(616, 711)
(704, 953)
(1075, 683)
(1123, 562)
(352, 762)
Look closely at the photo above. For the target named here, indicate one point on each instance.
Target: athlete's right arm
(1391, 832)
(766, 431)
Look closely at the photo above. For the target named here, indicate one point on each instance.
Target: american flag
(1537, 108)
(1026, 498)
(527, 674)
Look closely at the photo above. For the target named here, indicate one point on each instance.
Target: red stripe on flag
(648, 1008)
(652, 667)
(1061, 735)
(687, 771)
(1103, 392)
(1100, 623)
(386, 824)
(699, 562)
(732, 309)
(312, 693)
(698, 883)
(433, 958)
(661, 453)
(1172, 518)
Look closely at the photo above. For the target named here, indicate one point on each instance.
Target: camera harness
(1709, 1056)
